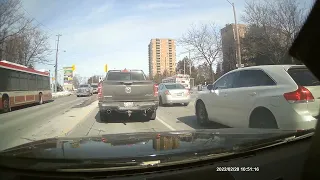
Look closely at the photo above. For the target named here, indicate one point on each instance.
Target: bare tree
(28, 48)
(36, 48)
(12, 21)
(205, 44)
(273, 25)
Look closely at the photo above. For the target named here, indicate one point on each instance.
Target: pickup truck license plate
(128, 104)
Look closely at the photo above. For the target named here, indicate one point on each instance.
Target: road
(73, 117)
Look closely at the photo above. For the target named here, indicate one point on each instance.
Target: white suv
(270, 96)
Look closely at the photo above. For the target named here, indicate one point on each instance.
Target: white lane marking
(167, 125)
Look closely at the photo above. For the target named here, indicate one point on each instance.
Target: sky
(117, 33)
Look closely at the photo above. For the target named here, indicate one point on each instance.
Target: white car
(270, 96)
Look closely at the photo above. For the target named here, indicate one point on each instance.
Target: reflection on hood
(135, 144)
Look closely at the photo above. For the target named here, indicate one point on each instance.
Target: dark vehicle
(127, 91)
(84, 90)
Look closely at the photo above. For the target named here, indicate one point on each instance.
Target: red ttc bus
(20, 85)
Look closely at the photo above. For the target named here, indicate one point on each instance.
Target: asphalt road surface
(73, 117)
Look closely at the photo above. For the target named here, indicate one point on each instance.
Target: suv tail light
(100, 90)
(302, 94)
(155, 90)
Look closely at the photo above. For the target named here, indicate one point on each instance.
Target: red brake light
(100, 89)
(103, 139)
(302, 94)
(188, 92)
(155, 90)
(167, 92)
(125, 70)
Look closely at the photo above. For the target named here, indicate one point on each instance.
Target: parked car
(270, 96)
(95, 88)
(173, 93)
(84, 90)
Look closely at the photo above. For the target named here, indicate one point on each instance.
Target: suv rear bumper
(119, 106)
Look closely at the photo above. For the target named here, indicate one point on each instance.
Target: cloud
(97, 12)
(153, 6)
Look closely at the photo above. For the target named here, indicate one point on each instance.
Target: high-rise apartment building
(228, 37)
(162, 56)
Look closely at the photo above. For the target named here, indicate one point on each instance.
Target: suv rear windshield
(303, 77)
(126, 76)
(94, 86)
(174, 86)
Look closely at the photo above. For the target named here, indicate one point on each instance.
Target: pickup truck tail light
(100, 90)
(155, 90)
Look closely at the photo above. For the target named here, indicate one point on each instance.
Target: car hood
(139, 145)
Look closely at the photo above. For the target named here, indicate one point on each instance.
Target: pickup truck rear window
(303, 77)
(126, 76)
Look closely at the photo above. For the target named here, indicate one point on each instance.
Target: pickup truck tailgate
(128, 91)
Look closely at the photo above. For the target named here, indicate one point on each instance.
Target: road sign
(106, 68)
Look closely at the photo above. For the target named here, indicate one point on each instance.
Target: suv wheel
(201, 112)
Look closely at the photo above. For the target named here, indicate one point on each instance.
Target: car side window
(226, 81)
(251, 78)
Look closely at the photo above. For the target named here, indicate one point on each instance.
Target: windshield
(90, 76)
(174, 86)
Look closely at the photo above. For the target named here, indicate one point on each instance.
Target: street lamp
(237, 34)
(184, 63)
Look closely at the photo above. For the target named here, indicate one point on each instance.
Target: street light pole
(189, 64)
(237, 34)
(56, 65)
(184, 66)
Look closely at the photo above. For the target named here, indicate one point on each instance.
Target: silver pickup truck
(127, 91)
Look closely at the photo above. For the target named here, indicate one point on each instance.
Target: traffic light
(106, 68)
(73, 67)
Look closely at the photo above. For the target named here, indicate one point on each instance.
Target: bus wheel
(5, 104)
(40, 99)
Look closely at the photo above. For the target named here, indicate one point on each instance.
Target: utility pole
(189, 64)
(56, 65)
(184, 66)
(238, 49)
